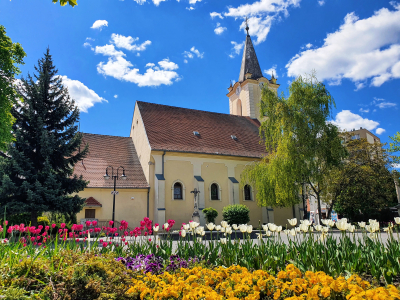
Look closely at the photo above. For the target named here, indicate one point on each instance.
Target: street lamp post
(115, 177)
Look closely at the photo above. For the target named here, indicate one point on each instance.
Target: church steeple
(249, 60)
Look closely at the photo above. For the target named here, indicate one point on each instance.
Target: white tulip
(331, 223)
(243, 228)
(286, 231)
(342, 224)
(293, 221)
(351, 228)
(249, 229)
(318, 227)
(293, 232)
(268, 233)
(193, 225)
(303, 227)
(259, 236)
(371, 221)
(218, 227)
(203, 233)
(156, 228)
(224, 224)
(199, 239)
(166, 226)
(265, 227)
(223, 240)
(361, 224)
(234, 226)
(211, 226)
(222, 229)
(186, 227)
(397, 220)
(325, 229)
(183, 233)
(228, 230)
(278, 228)
(272, 227)
(297, 229)
(325, 221)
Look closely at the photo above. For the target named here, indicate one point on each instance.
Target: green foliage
(301, 145)
(210, 214)
(236, 214)
(37, 175)
(362, 187)
(44, 221)
(65, 2)
(70, 275)
(395, 146)
(11, 55)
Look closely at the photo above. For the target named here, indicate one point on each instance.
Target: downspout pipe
(148, 202)
(163, 163)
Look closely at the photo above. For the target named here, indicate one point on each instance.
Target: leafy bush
(69, 275)
(210, 214)
(44, 221)
(236, 214)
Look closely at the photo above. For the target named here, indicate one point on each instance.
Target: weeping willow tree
(301, 145)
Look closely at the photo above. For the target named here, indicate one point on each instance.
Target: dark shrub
(236, 214)
(210, 214)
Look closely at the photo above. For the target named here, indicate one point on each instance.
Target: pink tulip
(62, 225)
(53, 225)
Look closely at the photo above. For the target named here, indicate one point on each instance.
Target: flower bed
(238, 282)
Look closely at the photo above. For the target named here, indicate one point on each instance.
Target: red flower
(111, 223)
(94, 223)
(62, 225)
(53, 225)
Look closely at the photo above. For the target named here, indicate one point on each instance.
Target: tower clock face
(238, 90)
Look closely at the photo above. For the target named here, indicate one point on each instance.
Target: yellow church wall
(178, 210)
(142, 145)
(132, 211)
(255, 210)
(215, 173)
(281, 215)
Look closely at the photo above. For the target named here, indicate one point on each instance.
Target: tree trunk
(319, 208)
(34, 217)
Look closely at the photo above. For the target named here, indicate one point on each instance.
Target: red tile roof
(115, 151)
(171, 128)
(92, 202)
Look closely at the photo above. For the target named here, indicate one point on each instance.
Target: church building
(173, 151)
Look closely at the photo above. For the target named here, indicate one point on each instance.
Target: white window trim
(219, 191)
(183, 190)
(251, 193)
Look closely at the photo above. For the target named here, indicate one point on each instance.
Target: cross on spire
(247, 26)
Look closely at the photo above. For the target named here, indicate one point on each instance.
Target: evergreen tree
(37, 175)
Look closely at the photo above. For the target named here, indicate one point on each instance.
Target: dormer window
(196, 133)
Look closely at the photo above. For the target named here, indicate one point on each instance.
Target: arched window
(178, 191)
(239, 107)
(214, 192)
(247, 192)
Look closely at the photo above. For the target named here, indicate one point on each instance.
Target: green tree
(65, 2)
(364, 183)
(301, 145)
(11, 55)
(394, 146)
(37, 175)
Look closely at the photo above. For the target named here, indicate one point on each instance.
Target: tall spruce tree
(37, 175)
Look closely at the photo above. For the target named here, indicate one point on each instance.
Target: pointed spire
(247, 26)
(249, 60)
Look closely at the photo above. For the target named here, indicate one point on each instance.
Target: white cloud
(121, 69)
(150, 65)
(194, 1)
(219, 29)
(84, 97)
(237, 47)
(364, 110)
(385, 104)
(99, 24)
(396, 166)
(140, 1)
(108, 50)
(215, 14)
(168, 65)
(190, 54)
(157, 2)
(380, 131)
(261, 15)
(190, 8)
(308, 46)
(115, 96)
(86, 44)
(127, 42)
(346, 120)
(90, 39)
(360, 49)
(185, 61)
(321, 2)
(271, 71)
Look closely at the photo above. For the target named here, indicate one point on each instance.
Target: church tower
(245, 94)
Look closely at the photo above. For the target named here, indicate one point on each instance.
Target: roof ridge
(205, 111)
(105, 135)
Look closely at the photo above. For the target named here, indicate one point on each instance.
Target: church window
(90, 213)
(247, 192)
(178, 191)
(239, 107)
(214, 192)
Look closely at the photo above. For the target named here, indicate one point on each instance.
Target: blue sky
(184, 53)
